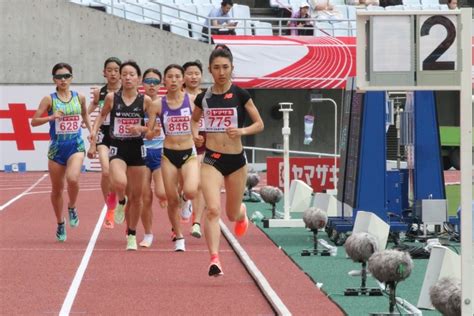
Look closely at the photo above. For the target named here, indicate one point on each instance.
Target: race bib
(202, 124)
(178, 125)
(122, 127)
(100, 137)
(219, 119)
(68, 124)
(157, 127)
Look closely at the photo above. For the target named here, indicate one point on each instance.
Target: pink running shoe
(109, 219)
(111, 200)
(215, 269)
(241, 226)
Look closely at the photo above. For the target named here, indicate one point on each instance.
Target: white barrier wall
(19, 142)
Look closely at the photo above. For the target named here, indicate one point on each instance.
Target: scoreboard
(409, 49)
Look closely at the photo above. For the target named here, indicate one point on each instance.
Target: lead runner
(224, 106)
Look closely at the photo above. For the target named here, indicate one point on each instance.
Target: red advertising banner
(319, 173)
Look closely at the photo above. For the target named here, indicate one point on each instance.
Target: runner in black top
(224, 106)
(112, 76)
(192, 85)
(127, 167)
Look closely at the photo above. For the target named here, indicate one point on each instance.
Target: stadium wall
(38, 34)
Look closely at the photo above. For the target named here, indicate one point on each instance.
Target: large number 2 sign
(446, 29)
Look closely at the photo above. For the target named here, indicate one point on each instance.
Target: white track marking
(23, 193)
(76, 282)
(259, 278)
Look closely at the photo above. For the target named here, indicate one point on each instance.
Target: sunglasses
(62, 76)
(152, 81)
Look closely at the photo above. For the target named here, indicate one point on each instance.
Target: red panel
(316, 172)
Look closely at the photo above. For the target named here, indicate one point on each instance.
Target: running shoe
(132, 242)
(215, 269)
(73, 217)
(241, 226)
(179, 245)
(111, 200)
(196, 230)
(61, 235)
(147, 241)
(119, 216)
(109, 219)
(186, 211)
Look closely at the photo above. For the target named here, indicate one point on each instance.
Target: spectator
(324, 10)
(298, 21)
(218, 20)
(452, 4)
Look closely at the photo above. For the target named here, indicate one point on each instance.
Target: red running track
(37, 272)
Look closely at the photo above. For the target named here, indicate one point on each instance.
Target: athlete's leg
(160, 188)
(170, 180)
(190, 178)
(56, 174)
(118, 177)
(104, 165)
(73, 171)
(235, 188)
(147, 197)
(135, 175)
(211, 182)
(198, 201)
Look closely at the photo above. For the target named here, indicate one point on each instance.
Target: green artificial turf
(332, 271)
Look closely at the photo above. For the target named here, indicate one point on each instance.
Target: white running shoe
(147, 241)
(186, 211)
(179, 245)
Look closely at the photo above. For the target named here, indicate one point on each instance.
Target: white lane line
(262, 282)
(23, 193)
(76, 282)
(105, 250)
(43, 192)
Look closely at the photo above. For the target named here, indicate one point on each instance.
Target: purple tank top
(176, 121)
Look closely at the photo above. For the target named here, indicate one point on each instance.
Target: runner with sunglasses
(65, 109)
(225, 107)
(112, 76)
(154, 148)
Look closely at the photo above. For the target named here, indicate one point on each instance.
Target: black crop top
(235, 97)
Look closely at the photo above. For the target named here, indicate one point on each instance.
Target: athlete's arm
(196, 116)
(84, 113)
(139, 129)
(108, 102)
(152, 112)
(44, 106)
(95, 101)
(254, 128)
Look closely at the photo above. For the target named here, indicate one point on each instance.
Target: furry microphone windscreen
(271, 194)
(315, 218)
(390, 265)
(445, 296)
(361, 246)
(252, 179)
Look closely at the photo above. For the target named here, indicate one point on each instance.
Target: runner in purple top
(179, 166)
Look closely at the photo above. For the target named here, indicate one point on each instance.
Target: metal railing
(253, 150)
(163, 15)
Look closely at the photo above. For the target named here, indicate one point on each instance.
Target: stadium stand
(187, 17)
